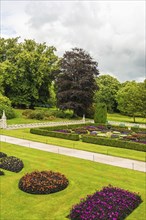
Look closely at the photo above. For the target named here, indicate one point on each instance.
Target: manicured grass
(124, 118)
(119, 152)
(85, 177)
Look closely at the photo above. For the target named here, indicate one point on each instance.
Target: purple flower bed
(110, 203)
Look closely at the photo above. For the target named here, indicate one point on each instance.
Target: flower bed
(1, 173)
(11, 163)
(110, 203)
(44, 182)
(2, 155)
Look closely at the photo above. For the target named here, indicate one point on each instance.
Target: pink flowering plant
(110, 203)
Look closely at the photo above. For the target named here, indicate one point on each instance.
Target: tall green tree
(76, 83)
(108, 88)
(27, 70)
(131, 99)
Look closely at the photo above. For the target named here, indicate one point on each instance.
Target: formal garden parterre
(115, 136)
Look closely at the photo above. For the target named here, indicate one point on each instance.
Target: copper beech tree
(76, 83)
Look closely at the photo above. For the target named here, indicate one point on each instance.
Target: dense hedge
(44, 182)
(69, 136)
(64, 127)
(11, 163)
(114, 143)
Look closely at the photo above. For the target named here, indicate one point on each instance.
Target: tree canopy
(131, 99)
(108, 88)
(26, 71)
(76, 83)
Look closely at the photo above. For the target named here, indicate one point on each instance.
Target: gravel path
(101, 158)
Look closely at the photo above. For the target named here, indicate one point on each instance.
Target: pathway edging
(101, 158)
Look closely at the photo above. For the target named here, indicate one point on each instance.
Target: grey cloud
(112, 32)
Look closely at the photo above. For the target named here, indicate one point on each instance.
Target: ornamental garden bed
(133, 138)
(110, 203)
(44, 182)
(10, 163)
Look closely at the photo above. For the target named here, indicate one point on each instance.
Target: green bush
(114, 143)
(39, 115)
(4, 100)
(10, 113)
(100, 115)
(68, 136)
(27, 112)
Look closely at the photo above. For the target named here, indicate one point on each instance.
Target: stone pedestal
(84, 118)
(3, 121)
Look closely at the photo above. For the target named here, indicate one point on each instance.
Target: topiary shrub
(11, 163)
(1, 173)
(100, 115)
(44, 182)
(2, 155)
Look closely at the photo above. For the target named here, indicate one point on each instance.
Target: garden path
(105, 159)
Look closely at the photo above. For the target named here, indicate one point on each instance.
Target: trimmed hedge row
(69, 136)
(64, 127)
(114, 143)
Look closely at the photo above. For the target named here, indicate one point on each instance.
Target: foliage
(108, 88)
(9, 111)
(75, 84)
(39, 115)
(46, 114)
(2, 155)
(114, 142)
(110, 203)
(26, 71)
(57, 134)
(44, 182)
(4, 100)
(131, 99)
(11, 163)
(100, 115)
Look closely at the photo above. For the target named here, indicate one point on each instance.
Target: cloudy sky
(113, 32)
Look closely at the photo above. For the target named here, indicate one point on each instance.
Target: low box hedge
(69, 136)
(114, 143)
(63, 127)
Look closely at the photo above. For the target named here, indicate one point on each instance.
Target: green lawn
(85, 177)
(125, 153)
(124, 118)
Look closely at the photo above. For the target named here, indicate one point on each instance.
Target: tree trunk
(134, 118)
